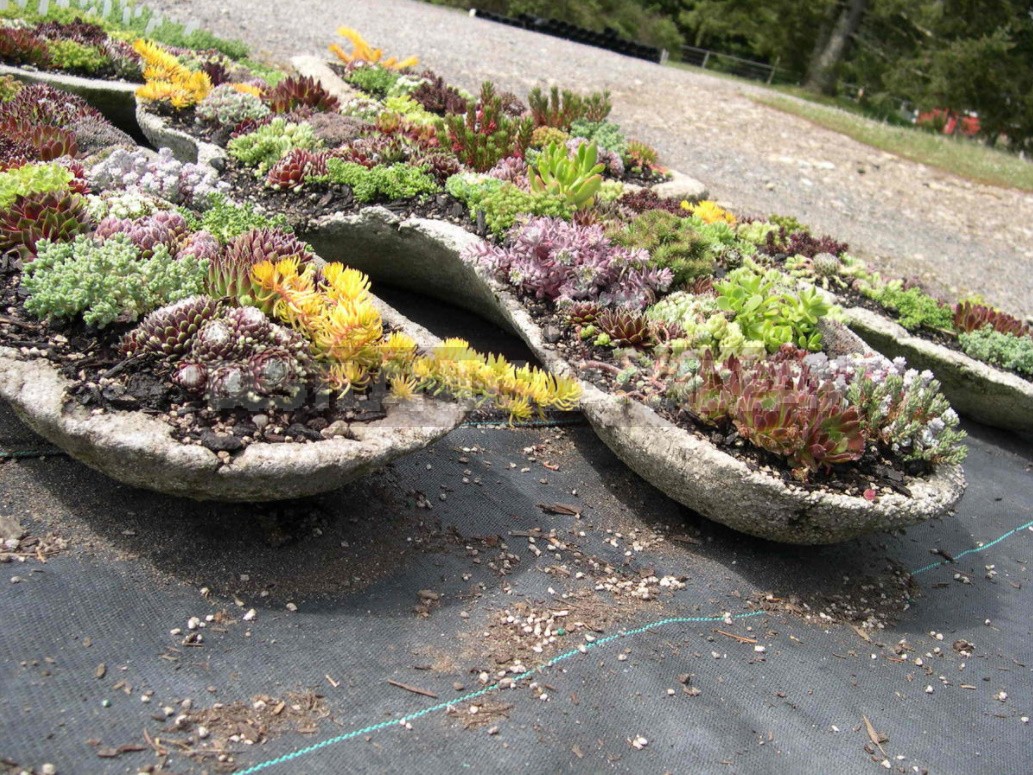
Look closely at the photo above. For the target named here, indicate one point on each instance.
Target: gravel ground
(906, 218)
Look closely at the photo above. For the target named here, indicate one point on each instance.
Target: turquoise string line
(585, 648)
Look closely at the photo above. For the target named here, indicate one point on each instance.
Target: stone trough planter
(975, 389)
(184, 147)
(139, 450)
(424, 256)
(115, 99)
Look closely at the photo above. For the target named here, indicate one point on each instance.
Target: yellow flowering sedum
(168, 79)
(709, 212)
(362, 52)
(335, 311)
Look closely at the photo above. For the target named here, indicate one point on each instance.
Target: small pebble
(48, 769)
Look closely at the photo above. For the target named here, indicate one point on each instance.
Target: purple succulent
(549, 258)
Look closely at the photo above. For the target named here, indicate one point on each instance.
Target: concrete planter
(975, 389)
(680, 186)
(115, 99)
(184, 147)
(138, 449)
(424, 255)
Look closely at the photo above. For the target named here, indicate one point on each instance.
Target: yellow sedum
(169, 80)
(709, 212)
(335, 311)
(362, 53)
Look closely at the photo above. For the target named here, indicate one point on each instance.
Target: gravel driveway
(906, 218)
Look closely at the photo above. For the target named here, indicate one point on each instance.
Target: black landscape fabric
(393, 596)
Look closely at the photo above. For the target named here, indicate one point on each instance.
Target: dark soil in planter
(102, 379)
(876, 470)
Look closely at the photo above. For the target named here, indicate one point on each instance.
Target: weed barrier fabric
(136, 564)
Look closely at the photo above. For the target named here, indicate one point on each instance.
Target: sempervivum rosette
(171, 330)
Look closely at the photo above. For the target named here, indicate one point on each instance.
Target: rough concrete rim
(184, 147)
(686, 468)
(975, 389)
(138, 449)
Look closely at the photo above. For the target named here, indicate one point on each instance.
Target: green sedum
(1007, 350)
(606, 134)
(268, 144)
(107, 281)
(914, 307)
(71, 55)
(32, 179)
(385, 181)
(224, 219)
(502, 202)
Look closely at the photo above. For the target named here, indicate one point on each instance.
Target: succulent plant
(166, 227)
(544, 136)
(201, 245)
(300, 91)
(970, 316)
(163, 177)
(577, 179)
(24, 47)
(192, 376)
(225, 105)
(626, 328)
(645, 199)
(641, 158)
(582, 313)
(513, 170)
(167, 79)
(386, 181)
(229, 275)
(170, 331)
(485, 134)
(781, 407)
(105, 281)
(439, 164)
(79, 30)
(550, 259)
(94, 133)
(335, 129)
(54, 216)
(611, 161)
(268, 144)
(438, 97)
(671, 242)
(373, 151)
(363, 54)
(561, 109)
(291, 172)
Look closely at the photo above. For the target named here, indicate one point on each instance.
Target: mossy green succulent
(77, 58)
(107, 281)
(501, 203)
(1007, 350)
(32, 179)
(386, 181)
(268, 144)
(672, 242)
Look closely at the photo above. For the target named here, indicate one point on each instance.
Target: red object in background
(952, 123)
